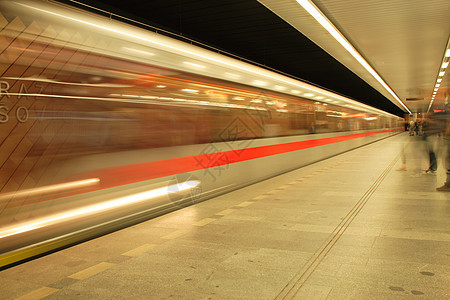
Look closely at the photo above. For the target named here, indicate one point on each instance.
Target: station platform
(349, 227)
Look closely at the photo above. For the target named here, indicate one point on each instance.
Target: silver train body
(103, 124)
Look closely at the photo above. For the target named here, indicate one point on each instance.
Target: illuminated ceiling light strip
(320, 17)
(441, 73)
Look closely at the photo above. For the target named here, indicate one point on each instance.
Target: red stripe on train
(116, 176)
(122, 175)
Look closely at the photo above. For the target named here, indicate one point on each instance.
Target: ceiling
(403, 40)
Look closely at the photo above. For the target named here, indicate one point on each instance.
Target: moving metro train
(103, 124)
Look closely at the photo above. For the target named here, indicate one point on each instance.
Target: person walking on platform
(446, 136)
(420, 132)
(433, 127)
(411, 127)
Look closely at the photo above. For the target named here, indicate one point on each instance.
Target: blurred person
(403, 155)
(420, 122)
(411, 127)
(434, 126)
(446, 138)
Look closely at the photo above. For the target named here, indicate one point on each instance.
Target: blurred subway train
(104, 124)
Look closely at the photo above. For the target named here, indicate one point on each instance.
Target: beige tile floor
(350, 227)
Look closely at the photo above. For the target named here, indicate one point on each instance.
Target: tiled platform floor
(350, 227)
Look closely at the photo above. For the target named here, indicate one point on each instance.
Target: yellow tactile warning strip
(38, 294)
(204, 222)
(244, 204)
(260, 197)
(226, 212)
(91, 271)
(272, 192)
(175, 234)
(139, 250)
(283, 187)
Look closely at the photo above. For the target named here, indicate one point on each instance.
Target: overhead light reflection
(190, 91)
(231, 75)
(155, 41)
(138, 51)
(100, 207)
(56, 188)
(194, 65)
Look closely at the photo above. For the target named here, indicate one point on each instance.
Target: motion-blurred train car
(103, 124)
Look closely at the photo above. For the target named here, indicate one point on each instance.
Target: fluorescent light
(447, 53)
(441, 73)
(323, 20)
(439, 80)
(160, 86)
(444, 65)
(437, 85)
(308, 95)
(319, 97)
(435, 89)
